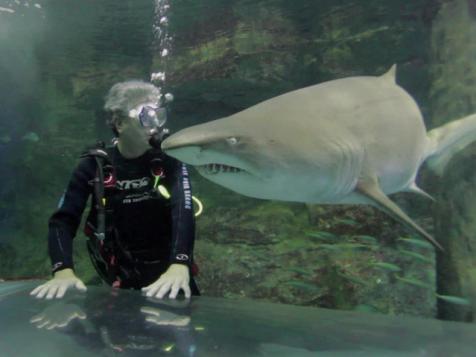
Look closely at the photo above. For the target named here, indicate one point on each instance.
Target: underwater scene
(329, 146)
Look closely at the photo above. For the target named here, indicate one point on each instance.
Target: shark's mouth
(213, 169)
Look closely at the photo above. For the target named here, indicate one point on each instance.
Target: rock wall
(453, 76)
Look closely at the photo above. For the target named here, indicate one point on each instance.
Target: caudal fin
(447, 140)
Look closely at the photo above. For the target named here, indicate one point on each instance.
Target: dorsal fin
(391, 74)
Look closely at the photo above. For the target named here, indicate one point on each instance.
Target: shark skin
(348, 141)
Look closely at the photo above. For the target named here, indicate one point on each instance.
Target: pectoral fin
(370, 188)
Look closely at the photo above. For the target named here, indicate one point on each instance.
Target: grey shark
(348, 141)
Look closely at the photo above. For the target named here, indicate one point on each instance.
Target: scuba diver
(141, 225)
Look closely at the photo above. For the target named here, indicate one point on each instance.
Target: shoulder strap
(101, 156)
(98, 151)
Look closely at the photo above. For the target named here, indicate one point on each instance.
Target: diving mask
(151, 117)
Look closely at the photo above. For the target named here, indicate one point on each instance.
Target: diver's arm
(62, 228)
(183, 221)
(64, 222)
(177, 276)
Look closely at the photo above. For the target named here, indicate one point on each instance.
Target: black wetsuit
(149, 231)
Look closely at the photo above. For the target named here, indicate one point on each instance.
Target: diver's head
(137, 114)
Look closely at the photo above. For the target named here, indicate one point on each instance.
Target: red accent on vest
(195, 269)
(109, 180)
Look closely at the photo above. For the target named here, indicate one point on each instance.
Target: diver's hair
(125, 96)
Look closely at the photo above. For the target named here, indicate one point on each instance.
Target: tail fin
(447, 140)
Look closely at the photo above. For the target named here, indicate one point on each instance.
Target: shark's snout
(201, 135)
(177, 141)
(187, 154)
(211, 153)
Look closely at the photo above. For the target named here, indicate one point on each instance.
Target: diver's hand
(174, 279)
(56, 287)
(164, 318)
(57, 315)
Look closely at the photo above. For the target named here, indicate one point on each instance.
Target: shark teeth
(213, 169)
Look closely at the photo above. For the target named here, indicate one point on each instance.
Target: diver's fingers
(186, 290)
(151, 289)
(150, 311)
(37, 318)
(184, 321)
(156, 283)
(51, 326)
(154, 288)
(61, 291)
(37, 289)
(44, 289)
(80, 286)
(148, 287)
(163, 290)
(52, 292)
(174, 291)
(43, 324)
(152, 319)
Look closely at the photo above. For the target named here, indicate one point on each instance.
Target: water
(105, 323)
(58, 59)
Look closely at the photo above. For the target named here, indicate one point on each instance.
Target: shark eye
(232, 140)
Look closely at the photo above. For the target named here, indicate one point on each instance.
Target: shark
(353, 140)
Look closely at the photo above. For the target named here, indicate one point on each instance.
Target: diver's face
(130, 129)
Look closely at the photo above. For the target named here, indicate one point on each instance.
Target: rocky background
(226, 56)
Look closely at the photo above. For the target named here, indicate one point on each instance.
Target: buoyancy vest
(103, 244)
